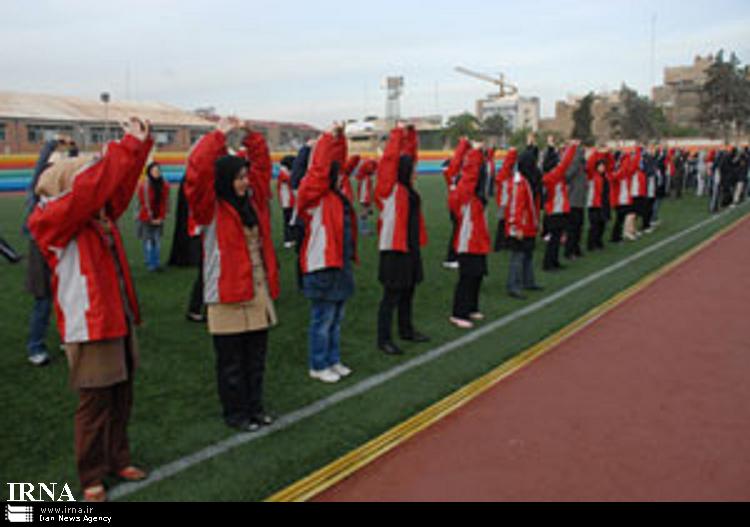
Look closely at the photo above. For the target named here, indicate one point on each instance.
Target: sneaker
(39, 359)
(450, 265)
(461, 323)
(341, 370)
(196, 317)
(327, 376)
(476, 316)
(263, 419)
(288, 245)
(132, 474)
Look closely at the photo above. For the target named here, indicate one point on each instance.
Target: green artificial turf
(176, 408)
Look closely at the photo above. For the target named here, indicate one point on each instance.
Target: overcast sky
(323, 60)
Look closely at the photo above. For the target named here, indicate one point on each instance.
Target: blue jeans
(38, 326)
(152, 248)
(521, 271)
(325, 334)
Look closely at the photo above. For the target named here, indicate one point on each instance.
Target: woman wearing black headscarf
(401, 235)
(228, 197)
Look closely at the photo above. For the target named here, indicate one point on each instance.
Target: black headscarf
(288, 162)
(156, 185)
(227, 169)
(405, 170)
(481, 189)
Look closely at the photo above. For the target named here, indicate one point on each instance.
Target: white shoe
(328, 376)
(39, 359)
(288, 245)
(450, 265)
(630, 237)
(649, 231)
(341, 370)
(476, 316)
(461, 323)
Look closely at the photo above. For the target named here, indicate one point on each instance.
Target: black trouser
(466, 296)
(196, 295)
(649, 214)
(621, 212)
(400, 299)
(574, 228)
(501, 241)
(451, 256)
(287, 214)
(240, 366)
(555, 226)
(640, 206)
(677, 185)
(596, 229)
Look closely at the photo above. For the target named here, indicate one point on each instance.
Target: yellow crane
(506, 88)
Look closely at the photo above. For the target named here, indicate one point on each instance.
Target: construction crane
(506, 88)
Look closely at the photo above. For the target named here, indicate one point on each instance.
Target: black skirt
(400, 270)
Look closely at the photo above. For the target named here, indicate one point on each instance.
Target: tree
(582, 121)
(636, 117)
(497, 127)
(725, 98)
(462, 125)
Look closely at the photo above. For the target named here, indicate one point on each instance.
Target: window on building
(165, 136)
(36, 133)
(196, 134)
(2, 131)
(102, 134)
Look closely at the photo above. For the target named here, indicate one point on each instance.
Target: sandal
(132, 473)
(95, 494)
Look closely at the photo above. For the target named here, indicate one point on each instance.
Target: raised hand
(137, 128)
(227, 124)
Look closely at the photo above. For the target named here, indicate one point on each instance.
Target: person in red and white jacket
(597, 168)
(472, 239)
(345, 182)
(620, 197)
(639, 193)
(74, 226)
(503, 186)
(153, 206)
(285, 195)
(365, 193)
(228, 196)
(451, 175)
(327, 255)
(557, 207)
(522, 226)
(402, 233)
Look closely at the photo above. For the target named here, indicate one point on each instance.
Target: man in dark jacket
(577, 188)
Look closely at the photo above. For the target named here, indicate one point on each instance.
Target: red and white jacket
(556, 185)
(522, 215)
(284, 189)
(71, 236)
(504, 182)
(147, 212)
(323, 211)
(472, 235)
(392, 197)
(227, 265)
(619, 183)
(364, 181)
(638, 179)
(595, 193)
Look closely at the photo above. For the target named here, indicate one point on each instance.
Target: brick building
(26, 120)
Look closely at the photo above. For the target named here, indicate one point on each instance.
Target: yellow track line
(346, 465)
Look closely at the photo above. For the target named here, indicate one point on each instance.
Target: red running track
(650, 402)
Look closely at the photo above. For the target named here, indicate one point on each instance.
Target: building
(27, 120)
(519, 112)
(367, 135)
(562, 123)
(680, 95)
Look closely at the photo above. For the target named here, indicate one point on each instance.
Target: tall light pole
(104, 97)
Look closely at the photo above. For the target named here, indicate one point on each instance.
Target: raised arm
(261, 168)
(558, 173)
(55, 221)
(469, 175)
(200, 176)
(410, 144)
(458, 158)
(388, 166)
(120, 199)
(316, 183)
(505, 172)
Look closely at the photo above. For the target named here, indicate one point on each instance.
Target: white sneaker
(328, 376)
(450, 265)
(476, 316)
(341, 370)
(39, 359)
(288, 245)
(461, 323)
